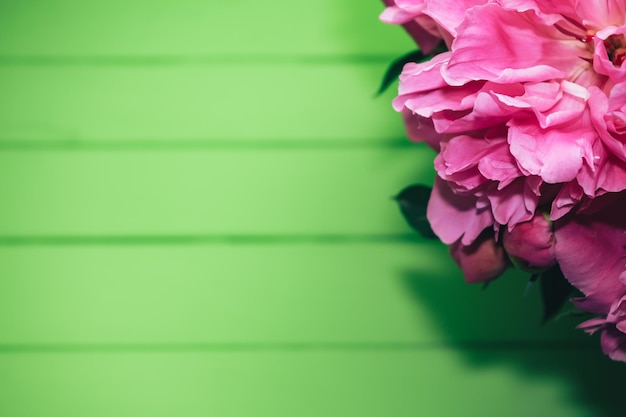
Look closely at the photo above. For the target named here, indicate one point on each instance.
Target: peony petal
(396, 16)
(418, 78)
(453, 216)
(450, 14)
(420, 129)
(556, 154)
(568, 197)
(608, 115)
(513, 204)
(452, 98)
(598, 13)
(513, 47)
(613, 343)
(601, 62)
(591, 251)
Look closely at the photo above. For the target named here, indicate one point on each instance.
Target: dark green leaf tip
(531, 284)
(555, 291)
(395, 69)
(413, 201)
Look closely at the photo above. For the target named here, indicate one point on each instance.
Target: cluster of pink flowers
(527, 113)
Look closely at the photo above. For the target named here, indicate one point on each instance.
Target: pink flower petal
(515, 203)
(450, 14)
(420, 129)
(513, 47)
(556, 155)
(591, 251)
(453, 217)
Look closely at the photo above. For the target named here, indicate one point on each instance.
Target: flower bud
(483, 260)
(531, 244)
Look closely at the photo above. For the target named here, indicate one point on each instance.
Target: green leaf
(395, 69)
(555, 291)
(413, 201)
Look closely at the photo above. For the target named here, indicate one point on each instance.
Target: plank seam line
(172, 60)
(207, 239)
(203, 144)
(8, 348)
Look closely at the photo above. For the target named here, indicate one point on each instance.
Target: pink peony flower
(527, 112)
(528, 106)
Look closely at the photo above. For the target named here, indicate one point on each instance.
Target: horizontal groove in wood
(215, 239)
(133, 145)
(183, 348)
(148, 61)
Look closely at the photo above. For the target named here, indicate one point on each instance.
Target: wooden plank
(212, 192)
(223, 102)
(196, 27)
(378, 295)
(429, 383)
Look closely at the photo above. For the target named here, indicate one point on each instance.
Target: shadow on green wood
(592, 380)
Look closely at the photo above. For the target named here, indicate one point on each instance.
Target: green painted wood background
(196, 221)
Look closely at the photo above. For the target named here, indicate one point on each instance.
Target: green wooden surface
(237, 28)
(287, 383)
(196, 220)
(217, 101)
(250, 294)
(243, 191)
